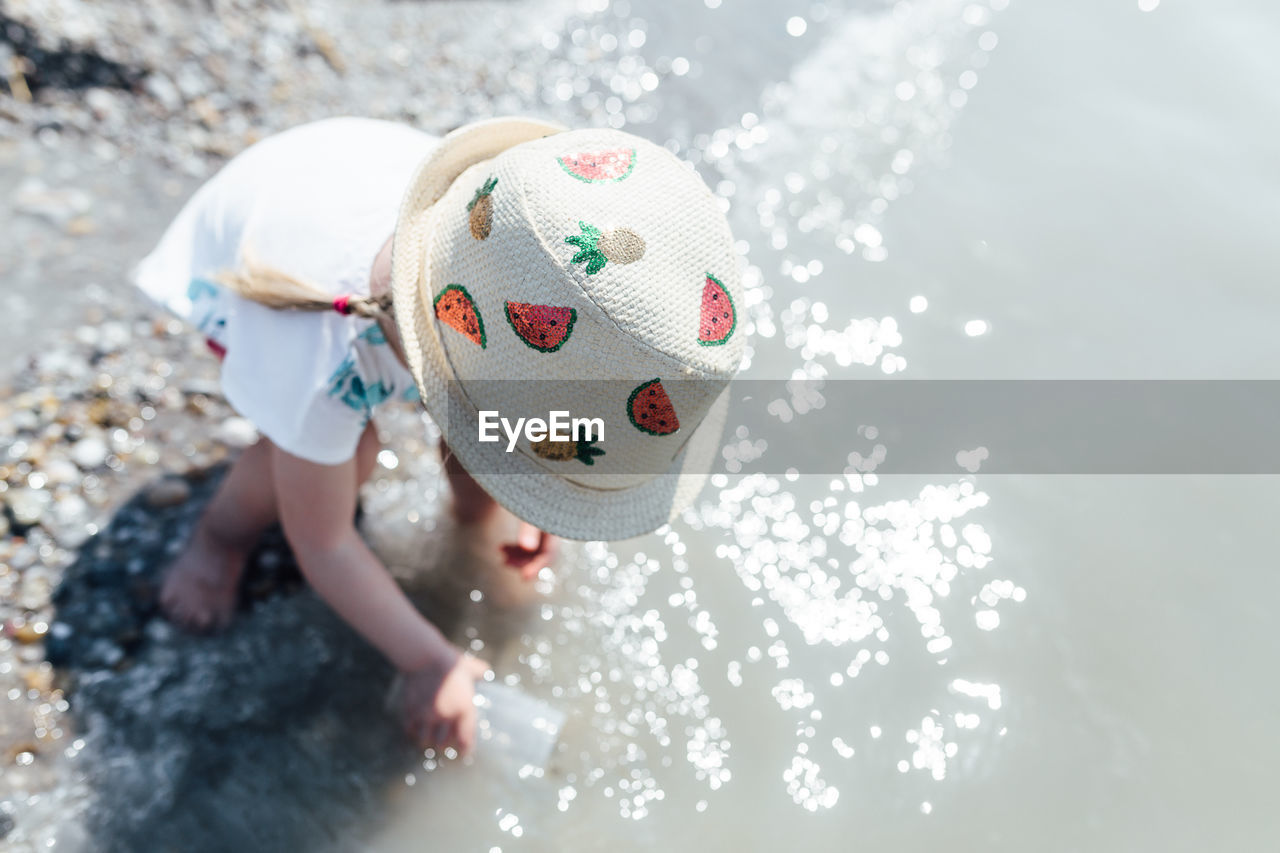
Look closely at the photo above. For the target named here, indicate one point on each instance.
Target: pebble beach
(921, 189)
(113, 430)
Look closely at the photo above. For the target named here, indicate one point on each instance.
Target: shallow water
(939, 190)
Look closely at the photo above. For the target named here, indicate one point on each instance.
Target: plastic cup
(514, 727)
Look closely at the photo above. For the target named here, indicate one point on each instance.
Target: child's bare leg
(200, 589)
(367, 453)
(471, 503)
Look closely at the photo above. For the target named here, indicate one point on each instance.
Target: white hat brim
(517, 481)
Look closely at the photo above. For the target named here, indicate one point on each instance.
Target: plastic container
(514, 727)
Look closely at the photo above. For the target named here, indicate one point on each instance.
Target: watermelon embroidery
(598, 167)
(650, 409)
(455, 308)
(542, 327)
(719, 318)
(595, 248)
(480, 209)
(562, 451)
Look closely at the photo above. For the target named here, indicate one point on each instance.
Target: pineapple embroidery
(584, 451)
(595, 248)
(481, 210)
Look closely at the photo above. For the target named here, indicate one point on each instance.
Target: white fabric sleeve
(295, 376)
(202, 240)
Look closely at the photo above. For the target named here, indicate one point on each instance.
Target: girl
(523, 258)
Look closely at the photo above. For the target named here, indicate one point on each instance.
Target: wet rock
(57, 643)
(103, 654)
(56, 62)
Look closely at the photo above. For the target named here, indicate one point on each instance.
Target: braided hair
(282, 291)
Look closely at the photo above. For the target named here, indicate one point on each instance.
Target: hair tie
(342, 305)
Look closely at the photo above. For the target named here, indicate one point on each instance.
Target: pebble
(71, 510)
(237, 432)
(89, 453)
(38, 678)
(167, 493)
(24, 632)
(61, 472)
(162, 89)
(58, 206)
(28, 505)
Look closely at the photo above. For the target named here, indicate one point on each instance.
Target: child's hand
(439, 706)
(532, 550)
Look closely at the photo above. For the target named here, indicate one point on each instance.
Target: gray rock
(58, 206)
(103, 103)
(163, 90)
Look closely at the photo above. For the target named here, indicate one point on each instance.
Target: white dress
(318, 202)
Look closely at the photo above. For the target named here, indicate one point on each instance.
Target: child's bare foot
(199, 591)
(532, 550)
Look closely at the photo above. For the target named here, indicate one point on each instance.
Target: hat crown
(607, 220)
(544, 260)
(627, 226)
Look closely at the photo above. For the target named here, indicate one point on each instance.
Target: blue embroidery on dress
(204, 304)
(376, 393)
(374, 335)
(347, 385)
(411, 394)
(200, 288)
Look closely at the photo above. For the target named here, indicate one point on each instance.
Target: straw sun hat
(589, 271)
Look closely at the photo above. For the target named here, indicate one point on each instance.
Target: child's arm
(317, 504)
